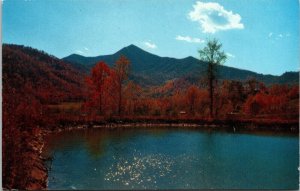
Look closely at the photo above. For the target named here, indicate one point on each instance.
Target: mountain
(149, 69)
(49, 78)
(146, 68)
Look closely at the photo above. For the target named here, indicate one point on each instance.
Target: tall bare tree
(213, 55)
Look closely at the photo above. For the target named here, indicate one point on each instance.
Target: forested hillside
(32, 79)
(47, 77)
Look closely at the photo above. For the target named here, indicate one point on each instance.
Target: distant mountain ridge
(149, 69)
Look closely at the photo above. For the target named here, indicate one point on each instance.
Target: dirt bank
(37, 173)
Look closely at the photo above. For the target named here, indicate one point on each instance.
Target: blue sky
(258, 35)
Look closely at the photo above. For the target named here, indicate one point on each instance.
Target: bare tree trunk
(120, 100)
(100, 106)
(211, 89)
(211, 96)
(217, 100)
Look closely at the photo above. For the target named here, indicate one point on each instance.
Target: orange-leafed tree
(191, 98)
(97, 83)
(133, 92)
(121, 70)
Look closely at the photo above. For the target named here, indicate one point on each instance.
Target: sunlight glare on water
(139, 169)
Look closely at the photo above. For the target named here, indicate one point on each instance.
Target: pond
(170, 158)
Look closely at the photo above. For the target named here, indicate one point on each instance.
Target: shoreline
(234, 125)
(37, 178)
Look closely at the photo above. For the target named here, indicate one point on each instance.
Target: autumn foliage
(42, 92)
(99, 84)
(23, 116)
(179, 99)
(31, 80)
(106, 87)
(276, 101)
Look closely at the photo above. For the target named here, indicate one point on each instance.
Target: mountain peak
(132, 50)
(132, 47)
(150, 69)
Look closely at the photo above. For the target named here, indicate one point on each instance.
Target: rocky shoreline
(35, 166)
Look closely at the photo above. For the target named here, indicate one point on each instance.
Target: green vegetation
(213, 55)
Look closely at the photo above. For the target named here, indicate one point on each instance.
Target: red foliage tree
(121, 70)
(275, 102)
(97, 83)
(133, 92)
(191, 98)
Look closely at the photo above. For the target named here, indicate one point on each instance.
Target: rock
(38, 174)
(34, 186)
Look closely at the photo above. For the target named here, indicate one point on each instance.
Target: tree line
(110, 94)
(246, 99)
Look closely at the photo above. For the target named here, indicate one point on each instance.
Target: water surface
(171, 159)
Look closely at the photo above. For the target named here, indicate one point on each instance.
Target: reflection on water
(136, 170)
(170, 159)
